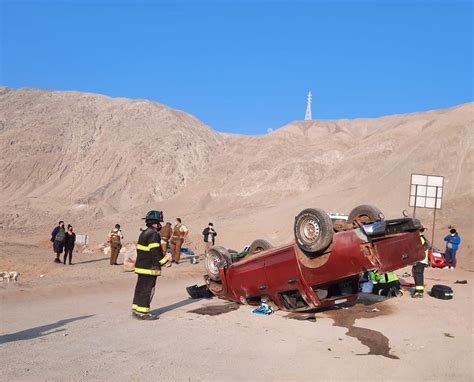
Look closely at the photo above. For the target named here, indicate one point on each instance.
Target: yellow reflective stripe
(152, 272)
(134, 307)
(147, 248)
(163, 261)
(142, 309)
(419, 287)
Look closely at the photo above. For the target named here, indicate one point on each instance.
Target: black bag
(442, 292)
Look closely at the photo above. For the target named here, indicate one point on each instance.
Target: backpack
(61, 235)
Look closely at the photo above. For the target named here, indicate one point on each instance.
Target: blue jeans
(450, 257)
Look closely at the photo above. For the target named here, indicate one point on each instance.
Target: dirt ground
(74, 323)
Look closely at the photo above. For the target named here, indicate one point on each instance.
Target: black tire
(313, 230)
(259, 245)
(216, 258)
(365, 213)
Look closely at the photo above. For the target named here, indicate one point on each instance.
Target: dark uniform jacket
(206, 233)
(150, 256)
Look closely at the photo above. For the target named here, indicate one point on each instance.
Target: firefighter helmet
(154, 216)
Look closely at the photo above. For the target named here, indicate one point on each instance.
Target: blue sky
(246, 66)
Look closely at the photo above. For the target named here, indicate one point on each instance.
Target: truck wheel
(313, 230)
(365, 214)
(216, 258)
(259, 245)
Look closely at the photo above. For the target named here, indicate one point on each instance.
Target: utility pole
(309, 98)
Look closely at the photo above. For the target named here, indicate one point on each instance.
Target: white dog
(10, 276)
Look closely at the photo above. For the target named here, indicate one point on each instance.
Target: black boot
(144, 316)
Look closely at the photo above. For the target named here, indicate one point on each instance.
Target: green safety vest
(384, 278)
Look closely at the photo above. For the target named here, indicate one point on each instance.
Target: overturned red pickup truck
(322, 266)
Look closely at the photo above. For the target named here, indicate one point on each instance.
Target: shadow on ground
(93, 261)
(176, 305)
(39, 331)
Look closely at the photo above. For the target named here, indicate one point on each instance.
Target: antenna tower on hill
(308, 116)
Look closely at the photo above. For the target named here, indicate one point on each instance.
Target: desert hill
(97, 159)
(99, 154)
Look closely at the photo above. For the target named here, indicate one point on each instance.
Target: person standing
(180, 232)
(453, 241)
(58, 236)
(166, 232)
(209, 234)
(69, 244)
(150, 258)
(115, 238)
(418, 269)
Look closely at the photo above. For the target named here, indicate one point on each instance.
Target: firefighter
(150, 258)
(418, 269)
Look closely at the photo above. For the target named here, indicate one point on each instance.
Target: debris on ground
(302, 316)
(375, 310)
(460, 282)
(406, 274)
(449, 335)
(264, 308)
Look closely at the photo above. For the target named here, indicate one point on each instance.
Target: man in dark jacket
(58, 237)
(453, 241)
(150, 258)
(209, 234)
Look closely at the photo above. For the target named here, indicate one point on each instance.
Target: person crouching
(385, 284)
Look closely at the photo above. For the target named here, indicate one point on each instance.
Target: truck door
(399, 251)
(248, 278)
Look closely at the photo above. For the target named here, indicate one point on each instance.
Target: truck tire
(259, 245)
(313, 230)
(365, 213)
(216, 258)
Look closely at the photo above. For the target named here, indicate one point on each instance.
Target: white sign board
(426, 191)
(82, 239)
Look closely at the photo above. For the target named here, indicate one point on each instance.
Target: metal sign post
(414, 205)
(426, 191)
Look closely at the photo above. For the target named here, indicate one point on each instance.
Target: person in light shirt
(180, 232)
